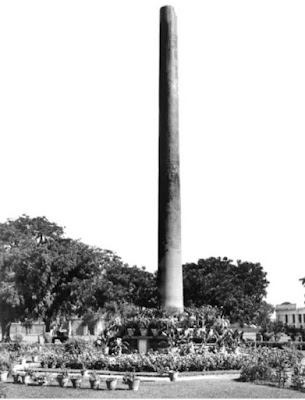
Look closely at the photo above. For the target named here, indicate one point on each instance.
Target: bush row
(153, 362)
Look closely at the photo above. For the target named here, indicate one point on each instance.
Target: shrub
(4, 365)
(163, 363)
(298, 377)
(269, 364)
(252, 371)
(18, 338)
(76, 346)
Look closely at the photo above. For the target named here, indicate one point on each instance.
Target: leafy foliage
(237, 289)
(44, 275)
(150, 362)
(264, 313)
(298, 376)
(270, 364)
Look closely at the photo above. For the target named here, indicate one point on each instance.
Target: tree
(22, 244)
(141, 285)
(237, 289)
(44, 275)
(264, 314)
(118, 284)
(38, 269)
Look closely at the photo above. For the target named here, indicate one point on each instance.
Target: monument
(169, 229)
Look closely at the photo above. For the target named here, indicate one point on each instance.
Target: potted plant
(35, 358)
(16, 376)
(34, 353)
(143, 324)
(111, 383)
(4, 368)
(154, 327)
(63, 378)
(173, 370)
(43, 362)
(132, 381)
(131, 328)
(104, 339)
(94, 380)
(76, 381)
(117, 346)
(26, 378)
(39, 378)
(173, 375)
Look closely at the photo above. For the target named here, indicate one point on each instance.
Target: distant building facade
(31, 333)
(73, 327)
(289, 314)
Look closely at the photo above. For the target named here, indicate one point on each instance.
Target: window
(286, 319)
(300, 318)
(303, 317)
(293, 318)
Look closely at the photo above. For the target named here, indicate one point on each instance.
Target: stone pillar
(169, 230)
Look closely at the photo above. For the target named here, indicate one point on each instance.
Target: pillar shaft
(169, 252)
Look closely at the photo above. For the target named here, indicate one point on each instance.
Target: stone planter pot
(154, 331)
(173, 375)
(134, 385)
(26, 379)
(3, 376)
(76, 382)
(130, 331)
(143, 331)
(94, 383)
(86, 374)
(111, 384)
(63, 381)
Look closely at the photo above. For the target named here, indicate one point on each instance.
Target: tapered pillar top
(167, 13)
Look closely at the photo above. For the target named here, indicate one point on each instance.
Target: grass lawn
(207, 388)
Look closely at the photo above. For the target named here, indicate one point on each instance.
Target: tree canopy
(237, 289)
(264, 314)
(44, 274)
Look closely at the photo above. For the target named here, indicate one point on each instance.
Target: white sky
(79, 127)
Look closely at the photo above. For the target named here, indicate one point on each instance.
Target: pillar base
(173, 309)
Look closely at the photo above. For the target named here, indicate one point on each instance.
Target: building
(29, 333)
(73, 327)
(289, 314)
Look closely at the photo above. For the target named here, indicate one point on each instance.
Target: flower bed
(254, 363)
(274, 365)
(262, 364)
(77, 354)
(154, 362)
